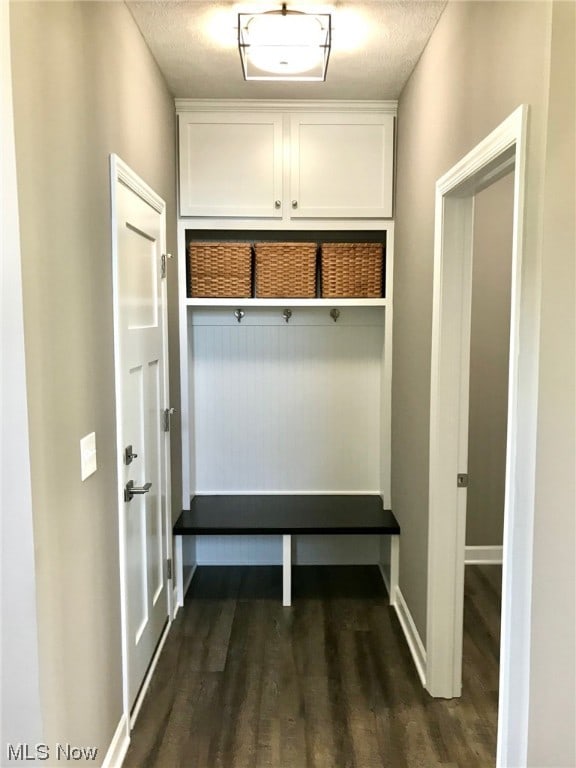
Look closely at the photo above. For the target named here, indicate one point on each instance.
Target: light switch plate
(88, 463)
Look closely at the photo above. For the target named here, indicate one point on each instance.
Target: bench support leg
(178, 572)
(286, 569)
(394, 567)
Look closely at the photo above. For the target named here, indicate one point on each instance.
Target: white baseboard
(413, 639)
(484, 555)
(118, 746)
(146, 684)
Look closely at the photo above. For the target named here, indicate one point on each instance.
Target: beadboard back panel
(290, 407)
(307, 550)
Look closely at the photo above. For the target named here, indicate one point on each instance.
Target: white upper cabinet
(283, 161)
(341, 165)
(231, 164)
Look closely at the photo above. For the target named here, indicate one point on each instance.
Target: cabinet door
(231, 164)
(341, 165)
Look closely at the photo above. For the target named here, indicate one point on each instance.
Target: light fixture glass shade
(284, 45)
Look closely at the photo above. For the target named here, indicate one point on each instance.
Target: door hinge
(163, 264)
(169, 569)
(166, 418)
(462, 480)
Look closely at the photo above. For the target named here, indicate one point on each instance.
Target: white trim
(149, 673)
(283, 492)
(178, 573)
(386, 378)
(483, 555)
(118, 746)
(493, 157)
(394, 568)
(186, 425)
(122, 172)
(327, 303)
(286, 570)
(114, 162)
(301, 225)
(285, 105)
(448, 442)
(138, 186)
(411, 634)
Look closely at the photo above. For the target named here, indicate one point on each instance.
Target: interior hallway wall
(483, 60)
(552, 735)
(85, 85)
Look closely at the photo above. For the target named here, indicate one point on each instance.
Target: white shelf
(286, 302)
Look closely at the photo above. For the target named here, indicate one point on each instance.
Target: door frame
(121, 172)
(501, 152)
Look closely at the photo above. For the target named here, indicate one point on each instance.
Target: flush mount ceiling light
(284, 45)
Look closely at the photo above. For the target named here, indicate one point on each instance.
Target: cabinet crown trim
(287, 105)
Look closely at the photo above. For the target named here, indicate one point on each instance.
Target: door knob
(131, 490)
(294, 203)
(277, 204)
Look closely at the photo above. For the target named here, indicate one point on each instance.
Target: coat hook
(239, 314)
(287, 314)
(335, 314)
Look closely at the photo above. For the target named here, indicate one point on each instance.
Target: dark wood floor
(328, 683)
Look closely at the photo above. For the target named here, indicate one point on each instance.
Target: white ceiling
(375, 46)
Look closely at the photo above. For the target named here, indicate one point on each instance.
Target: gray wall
(85, 85)
(489, 355)
(483, 60)
(552, 733)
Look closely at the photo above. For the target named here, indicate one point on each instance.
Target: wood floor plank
(328, 683)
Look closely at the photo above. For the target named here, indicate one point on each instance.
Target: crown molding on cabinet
(287, 105)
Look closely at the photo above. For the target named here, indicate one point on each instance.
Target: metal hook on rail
(287, 314)
(335, 314)
(239, 314)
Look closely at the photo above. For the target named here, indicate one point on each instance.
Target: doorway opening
(488, 406)
(499, 154)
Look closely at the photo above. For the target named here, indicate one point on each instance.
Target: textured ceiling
(375, 46)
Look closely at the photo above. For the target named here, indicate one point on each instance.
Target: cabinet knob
(277, 204)
(294, 203)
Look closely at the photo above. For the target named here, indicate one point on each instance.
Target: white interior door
(141, 373)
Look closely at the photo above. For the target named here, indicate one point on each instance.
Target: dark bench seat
(289, 515)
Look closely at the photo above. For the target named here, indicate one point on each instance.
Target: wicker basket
(352, 270)
(219, 270)
(285, 270)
